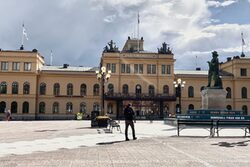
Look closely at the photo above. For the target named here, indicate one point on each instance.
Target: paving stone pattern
(74, 143)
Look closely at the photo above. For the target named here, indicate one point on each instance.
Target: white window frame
(16, 66)
(27, 66)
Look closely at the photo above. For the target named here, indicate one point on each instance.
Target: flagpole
(22, 34)
(242, 43)
(51, 57)
(138, 33)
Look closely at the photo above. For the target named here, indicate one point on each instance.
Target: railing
(138, 96)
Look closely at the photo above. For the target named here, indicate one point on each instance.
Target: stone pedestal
(213, 99)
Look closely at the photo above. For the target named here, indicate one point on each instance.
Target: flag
(138, 18)
(24, 33)
(243, 41)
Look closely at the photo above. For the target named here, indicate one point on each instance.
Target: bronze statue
(165, 49)
(213, 73)
(111, 47)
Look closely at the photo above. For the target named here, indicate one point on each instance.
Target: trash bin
(102, 121)
(94, 122)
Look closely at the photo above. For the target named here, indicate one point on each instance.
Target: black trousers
(129, 123)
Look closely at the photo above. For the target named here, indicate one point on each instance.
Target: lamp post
(179, 84)
(103, 76)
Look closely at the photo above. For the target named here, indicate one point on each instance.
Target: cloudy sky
(78, 30)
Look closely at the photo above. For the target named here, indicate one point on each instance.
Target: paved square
(74, 143)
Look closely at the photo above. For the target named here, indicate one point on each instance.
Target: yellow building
(33, 90)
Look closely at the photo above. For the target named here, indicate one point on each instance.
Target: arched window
(151, 90)
(55, 108)
(110, 108)
(26, 88)
(3, 88)
(96, 90)
(125, 89)
(229, 93)
(110, 88)
(190, 91)
(69, 107)
(41, 107)
(190, 106)
(2, 106)
(229, 107)
(83, 90)
(244, 93)
(96, 107)
(70, 89)
(83, 107)
(244, 108)
(25, 107)
(13, 107)
(166, 89)
(14, 88)
(56, 89)
(138, 89)
(202, 88)
(42, 89)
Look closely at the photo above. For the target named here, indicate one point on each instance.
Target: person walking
(8, 115)
(129, 117)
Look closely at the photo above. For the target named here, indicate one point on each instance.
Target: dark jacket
(129, 113)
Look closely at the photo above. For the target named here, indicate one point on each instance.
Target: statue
(111, 47)
(165, 49)
(213, 73)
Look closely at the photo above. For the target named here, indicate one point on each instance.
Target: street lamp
(179, 84)
(103, 76)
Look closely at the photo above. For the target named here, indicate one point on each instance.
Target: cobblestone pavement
(74, 143)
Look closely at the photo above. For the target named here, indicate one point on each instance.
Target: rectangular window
(127, 68)
(27, 66)
(108, 66)
(168, 69)
(15, 66)
(123, 68)
(243, 72)
(141, 68)
(113, 68)
(136, 68)
(163, 69)
(4, 65)
(151, 68)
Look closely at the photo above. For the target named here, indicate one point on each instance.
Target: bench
(204, 123)
(221, 124)
(113, 124)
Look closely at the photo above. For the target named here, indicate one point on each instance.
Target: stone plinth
(213, 99)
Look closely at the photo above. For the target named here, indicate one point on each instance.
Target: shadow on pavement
(233, 144)
(107, 143)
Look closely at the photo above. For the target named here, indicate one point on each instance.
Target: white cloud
(109, 18)
(221, 4)
(79, 28)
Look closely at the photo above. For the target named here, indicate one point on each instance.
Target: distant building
(32, 90)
